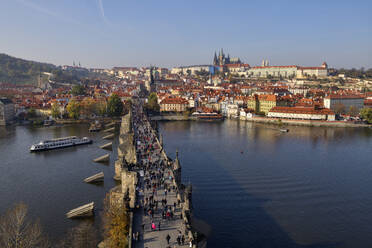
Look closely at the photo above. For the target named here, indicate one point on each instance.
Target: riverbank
(266, 120)
(308, 123)
(173, 118)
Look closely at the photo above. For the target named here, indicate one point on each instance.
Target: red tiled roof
(174, 100)
(336, 96)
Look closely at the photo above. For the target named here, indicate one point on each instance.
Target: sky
(107, 33)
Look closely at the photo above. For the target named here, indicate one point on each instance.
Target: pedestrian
(183, 239)
(178, 240)
(159, 226)
(168, 238)
(143, 227)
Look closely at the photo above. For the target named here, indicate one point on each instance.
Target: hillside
(20, 71)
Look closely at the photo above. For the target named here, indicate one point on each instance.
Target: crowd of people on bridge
(156, 189)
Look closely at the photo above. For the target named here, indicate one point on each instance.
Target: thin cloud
(46, 11)
(102, 12)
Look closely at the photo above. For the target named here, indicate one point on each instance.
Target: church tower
(215, 60)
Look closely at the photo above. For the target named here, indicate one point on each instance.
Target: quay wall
(309, 123)
(173, 118)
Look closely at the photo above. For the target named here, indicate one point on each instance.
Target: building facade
(346, 101)
(290, 71)
(174, 104)
(302, 113)
(7, 112)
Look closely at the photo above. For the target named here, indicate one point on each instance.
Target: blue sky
(106, 33)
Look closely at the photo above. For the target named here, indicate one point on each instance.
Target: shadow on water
(249, 227)
(237, 217)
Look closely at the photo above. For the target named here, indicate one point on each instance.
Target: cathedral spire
(215, 61)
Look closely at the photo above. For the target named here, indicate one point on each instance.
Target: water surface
(51, 182)
(258, 187)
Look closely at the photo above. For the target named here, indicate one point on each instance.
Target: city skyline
(114, 33)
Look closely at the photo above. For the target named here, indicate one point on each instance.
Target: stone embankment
(173, 118)
(149, 178)
(309, 123)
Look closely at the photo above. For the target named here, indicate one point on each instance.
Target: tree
(55, 111)
(366, 114)
(353, 111)
(114, 106)
(339, 108)
(73, 109)
(78, 90)
(88, 106)
(17, 231)
(115, 224)
(101, 108)
(31, 113)
(152, 102)
(82, 236)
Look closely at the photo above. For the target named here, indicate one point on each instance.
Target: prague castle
(222, 60)
(223, 63)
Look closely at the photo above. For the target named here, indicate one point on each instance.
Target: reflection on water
(258, 187)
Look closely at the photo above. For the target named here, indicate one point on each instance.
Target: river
(257, 187)
(253, 185)
(51, 182)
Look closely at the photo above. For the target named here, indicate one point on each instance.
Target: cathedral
(223, 60)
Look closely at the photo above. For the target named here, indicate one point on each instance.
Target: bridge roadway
(155, 177)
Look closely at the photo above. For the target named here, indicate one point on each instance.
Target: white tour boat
(60, 143)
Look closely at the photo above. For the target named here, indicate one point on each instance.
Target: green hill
(20, 71)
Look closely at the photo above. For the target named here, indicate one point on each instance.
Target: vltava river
(51, 182)
(252, 185)
(257, 187)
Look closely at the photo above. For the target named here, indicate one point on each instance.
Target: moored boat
(284, 130)
(95, 127)
(60, 143)
(209, 116)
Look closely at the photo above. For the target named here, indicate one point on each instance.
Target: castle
(223, 60)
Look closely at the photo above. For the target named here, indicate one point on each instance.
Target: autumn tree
(353, 111)
(18, 231)
(366, 114)
(73, 109)
(88, 106)
(82, 236)
(114, 106)
(55, 111)
(101, 108)
(78, 90)
(339, 108)
(115, 224)
(152, 102)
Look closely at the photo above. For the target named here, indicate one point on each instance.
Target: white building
(192, 69)
(232, 110)
(288, 71)
(302, 113)
(335, 101)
